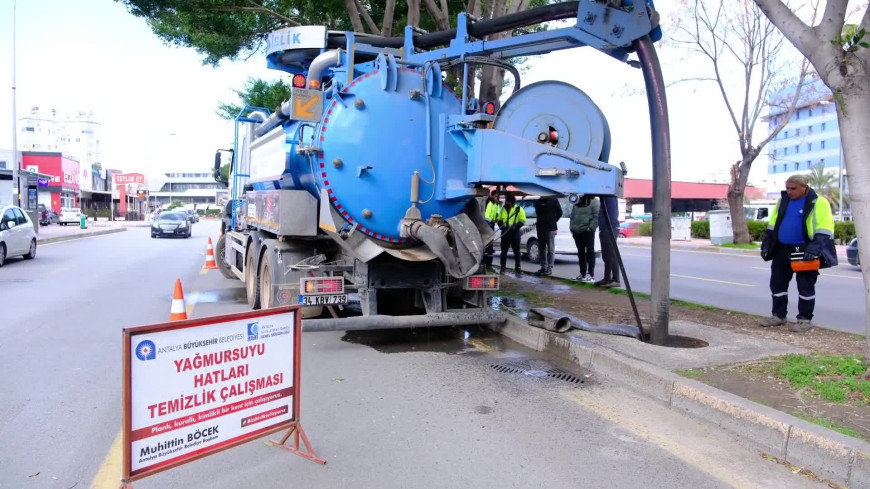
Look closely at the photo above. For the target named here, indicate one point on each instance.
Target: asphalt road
(385, 409)
(736, 282)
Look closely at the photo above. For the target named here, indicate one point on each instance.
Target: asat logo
(146, 350)
(253, 331)
(70, 178)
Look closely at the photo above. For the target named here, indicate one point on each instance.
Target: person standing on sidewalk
(548, 211)
(511, 220)
(608, 222)
(493, 207)
(801, 224)
(584, 222)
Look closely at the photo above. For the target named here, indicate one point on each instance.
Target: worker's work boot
(801, 326)
(773, 321)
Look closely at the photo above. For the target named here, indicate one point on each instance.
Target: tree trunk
(353, 13)
(387, 25)
(736, 191)
(413, 13)
(855, 134)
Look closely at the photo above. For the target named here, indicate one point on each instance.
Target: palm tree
(826, 185)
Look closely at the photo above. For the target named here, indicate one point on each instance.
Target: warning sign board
(307, 104)
(195, 387)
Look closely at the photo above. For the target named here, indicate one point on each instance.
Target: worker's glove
(766, 253)
(813, 249)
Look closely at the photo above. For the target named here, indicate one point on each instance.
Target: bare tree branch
(368, 18)
(832, 20)
(473, 8)
(440, 18)
(387, 24)
(801, 35)
(517, 6)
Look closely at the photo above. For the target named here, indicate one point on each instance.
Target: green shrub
(103, 213)
(91, 213)
(645, 229)
(844, 231)
(757, 229)
(213, 212)
(701, 229)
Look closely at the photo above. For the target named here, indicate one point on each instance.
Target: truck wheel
(534, 256)
(220, 257)
(267, 295)
(252, 282)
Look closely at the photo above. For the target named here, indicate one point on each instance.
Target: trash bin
(84, 221)
(720, 227)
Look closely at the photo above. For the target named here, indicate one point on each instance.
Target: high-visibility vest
(515, 215)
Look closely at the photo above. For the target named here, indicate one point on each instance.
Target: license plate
(322, 300)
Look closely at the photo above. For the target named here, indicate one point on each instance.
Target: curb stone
(834, 456)
(70, 237)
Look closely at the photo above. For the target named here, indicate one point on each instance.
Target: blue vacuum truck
(358, 197)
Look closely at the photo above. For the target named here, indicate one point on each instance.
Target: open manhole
(540, 369)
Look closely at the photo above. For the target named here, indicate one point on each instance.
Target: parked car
(192, 216)
(852, 253)
(171, 223)
(629, 229)
(70, 215)
(47, 216)
(17, 236)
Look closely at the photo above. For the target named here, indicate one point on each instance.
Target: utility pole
(16, 187)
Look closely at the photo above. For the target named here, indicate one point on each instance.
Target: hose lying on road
(558, 321)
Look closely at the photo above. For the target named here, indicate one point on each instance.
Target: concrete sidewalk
(54, 233)
(706, 246)
(648, 369)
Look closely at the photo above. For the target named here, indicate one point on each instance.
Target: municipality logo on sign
(146, 350)
(253, 331)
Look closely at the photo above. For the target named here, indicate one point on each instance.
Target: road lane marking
(713, 280)
(824, 274)
(58, 270)
(721, 253)
(109, 475)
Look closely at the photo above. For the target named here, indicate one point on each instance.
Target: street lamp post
(15, 160)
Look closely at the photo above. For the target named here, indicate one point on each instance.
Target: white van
(69, 215)
(564, 240)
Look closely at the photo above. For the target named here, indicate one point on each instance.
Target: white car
(70, 215)
(17, 235)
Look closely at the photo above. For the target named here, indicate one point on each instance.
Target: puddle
(222, 295)
(517, 306)
(469, 340)
(676, 341)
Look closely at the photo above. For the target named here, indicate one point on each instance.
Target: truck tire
(267, 295)
(220, 257)
(252, 281)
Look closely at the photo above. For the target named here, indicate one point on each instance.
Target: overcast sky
(93, 55)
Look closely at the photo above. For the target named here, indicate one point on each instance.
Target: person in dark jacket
(609, 218)
(801, 229)
(548, 211)
(584, 222)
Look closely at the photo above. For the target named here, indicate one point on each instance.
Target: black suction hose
(481, 29)
(612, 239)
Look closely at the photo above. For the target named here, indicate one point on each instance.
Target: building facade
(197, 189)
(811, 137)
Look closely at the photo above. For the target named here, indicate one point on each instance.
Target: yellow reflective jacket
(517, 215)
(492, 211)
(818, 229)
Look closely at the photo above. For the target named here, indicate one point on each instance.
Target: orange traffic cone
(178, 311)
(209, 257)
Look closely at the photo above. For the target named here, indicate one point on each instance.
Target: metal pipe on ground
(449, 318)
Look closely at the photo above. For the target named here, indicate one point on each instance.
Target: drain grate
(537, 368)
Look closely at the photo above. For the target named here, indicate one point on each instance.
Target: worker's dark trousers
(585, 242)
(780, 276)
(511, 241)
(608, 256)
(489, 251)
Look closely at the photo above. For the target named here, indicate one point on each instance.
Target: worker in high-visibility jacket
(801, 229)
(493, 207)
(511, 220)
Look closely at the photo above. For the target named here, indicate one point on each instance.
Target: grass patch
(674, 302)
(824, 423)
(741, 246)
(834, 378)
(691, 373)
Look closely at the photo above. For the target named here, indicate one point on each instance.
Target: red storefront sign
(129, 178)
(64, 174)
